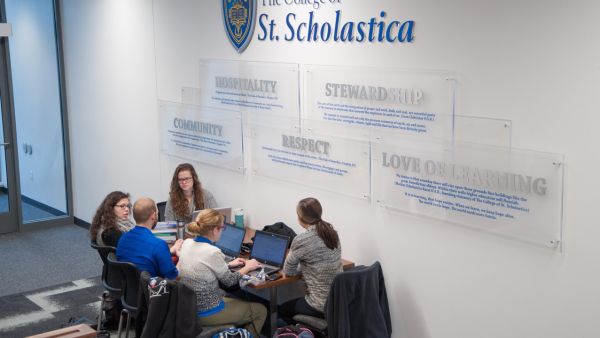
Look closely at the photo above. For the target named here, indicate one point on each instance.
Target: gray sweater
(201, 267)
(209, 202)
(318, 264)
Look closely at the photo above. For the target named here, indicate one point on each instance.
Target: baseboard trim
(42, 206)
(81, 223)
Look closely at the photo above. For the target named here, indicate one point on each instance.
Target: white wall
(37, 103)
(536, 63)
(111, 86)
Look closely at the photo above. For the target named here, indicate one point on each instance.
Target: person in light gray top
(186, 195)
(317, 254)
(202, 266)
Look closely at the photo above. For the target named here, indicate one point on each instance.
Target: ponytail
(309, 211)
(327, 233)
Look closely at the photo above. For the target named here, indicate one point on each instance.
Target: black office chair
(111, 278)
(161, 210)
(174, 293)
(131, 280)
(372, 314)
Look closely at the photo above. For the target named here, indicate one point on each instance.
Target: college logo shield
(239, 19)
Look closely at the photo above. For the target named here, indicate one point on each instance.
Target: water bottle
(239, 218)
(180, 229)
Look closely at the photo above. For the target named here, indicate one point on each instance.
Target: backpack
(281, 228)
(293, 331)
(234, 333)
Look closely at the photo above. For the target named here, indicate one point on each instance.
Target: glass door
(8, 202)
(37, 94)
(34, 152)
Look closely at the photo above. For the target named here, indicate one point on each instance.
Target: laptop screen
(231, 240)
(269, 248)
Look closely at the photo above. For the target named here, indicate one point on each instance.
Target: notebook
(269, 249)
(226, 212)
(167, 231)
(230, 242)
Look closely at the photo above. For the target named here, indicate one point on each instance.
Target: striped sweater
(318, 264)
(201, 267)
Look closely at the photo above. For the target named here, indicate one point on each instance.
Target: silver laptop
(226, 212)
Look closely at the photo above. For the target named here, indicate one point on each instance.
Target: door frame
(9, 221)
(6, 81)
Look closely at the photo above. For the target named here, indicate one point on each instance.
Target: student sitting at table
(140, 247)
(111, 219)
(318, 252)
(186, 195)
(202, 266)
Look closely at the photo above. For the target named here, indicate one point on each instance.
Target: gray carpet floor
(48, 276)
(49, 308)
(36, 259)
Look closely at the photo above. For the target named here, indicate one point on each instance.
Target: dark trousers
(297, 306)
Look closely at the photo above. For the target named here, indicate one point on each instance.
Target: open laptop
(230, 242)
(226, 212)
(270, 250)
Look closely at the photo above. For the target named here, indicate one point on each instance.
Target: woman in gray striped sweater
(202, 266)
(317, 254)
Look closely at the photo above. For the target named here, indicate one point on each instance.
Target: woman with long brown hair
(186, 195)
(111, 219)
(319, 253)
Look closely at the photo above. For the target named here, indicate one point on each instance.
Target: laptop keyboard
(270, 270)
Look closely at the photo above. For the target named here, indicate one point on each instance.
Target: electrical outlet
(31, 175)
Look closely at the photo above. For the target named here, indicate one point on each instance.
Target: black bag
(112, 309)
(280, 228)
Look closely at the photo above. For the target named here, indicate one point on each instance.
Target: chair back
(131, 280)
(111, 275)
(161, 210)
(357, 304)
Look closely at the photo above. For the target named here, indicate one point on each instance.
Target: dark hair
(309, 211)
(205, 222)
(178, 201)
(105, 215)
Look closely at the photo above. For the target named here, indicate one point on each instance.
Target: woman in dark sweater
(111, 219)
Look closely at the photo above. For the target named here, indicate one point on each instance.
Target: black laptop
(269, 249)
(231, 240)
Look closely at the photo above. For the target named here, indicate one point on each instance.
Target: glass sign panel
(325, 162)
(250, 86)
(408, 102)
(202, 134)
(516, 193)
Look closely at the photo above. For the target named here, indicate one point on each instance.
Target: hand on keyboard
(238, 262)
(252, 264)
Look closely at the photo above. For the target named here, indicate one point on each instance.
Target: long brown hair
(205, 222)
(309, 211)
(105, 215)
(178, 201)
